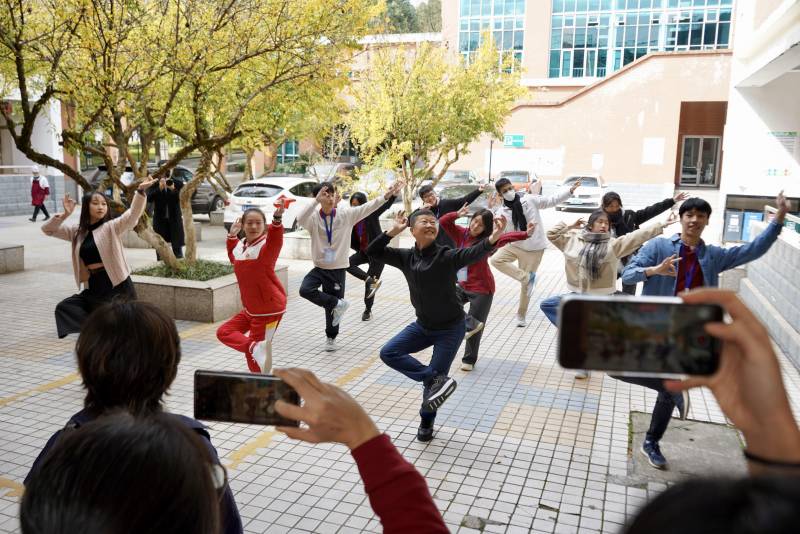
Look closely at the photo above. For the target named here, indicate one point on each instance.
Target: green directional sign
(514, 140)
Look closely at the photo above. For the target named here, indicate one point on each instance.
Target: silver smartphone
(638, 336)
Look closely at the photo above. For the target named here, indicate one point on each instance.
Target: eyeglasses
(426, 222)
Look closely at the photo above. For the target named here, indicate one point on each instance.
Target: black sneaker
(46, 218)
(366, 316)
(31, 219)
(653, 453)
(425, 432)
(437, 391)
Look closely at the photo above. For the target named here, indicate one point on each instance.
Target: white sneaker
(478, 328)
(531, 282)
(467, 366)
(260, 355)
(521, 321)
(338, 312)
(374, 284)
(330, 345)
(581, 375)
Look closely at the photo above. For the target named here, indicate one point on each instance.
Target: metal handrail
(789, 217)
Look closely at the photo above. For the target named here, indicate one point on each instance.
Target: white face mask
(509, 195)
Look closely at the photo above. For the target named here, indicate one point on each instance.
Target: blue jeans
(549, 307)
(396, 353)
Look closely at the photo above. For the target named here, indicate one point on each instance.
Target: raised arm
(447, 222)
(645, 214)
(735, 256)
(467, 256)
(386, 205)
(627, 244)
(269, 254)
(559, 234)
(55, 227)
(543, 202)
(130, 217)
(353, 215)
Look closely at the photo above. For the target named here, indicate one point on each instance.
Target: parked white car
(262, 193)
(587, 196)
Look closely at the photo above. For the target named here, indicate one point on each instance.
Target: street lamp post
(491, 143)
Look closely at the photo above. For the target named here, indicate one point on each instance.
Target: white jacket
(531, 204)
(43, 183)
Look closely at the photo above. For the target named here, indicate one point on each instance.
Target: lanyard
(688, 273)
(328, 229)
(463, 240)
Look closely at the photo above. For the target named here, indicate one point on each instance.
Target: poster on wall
(653, 151)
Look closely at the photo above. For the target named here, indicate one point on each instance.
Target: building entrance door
(700, 160)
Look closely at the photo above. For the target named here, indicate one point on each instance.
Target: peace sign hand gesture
(463, 211)
(236, 227)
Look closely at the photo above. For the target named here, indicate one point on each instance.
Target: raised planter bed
(12, 258)
(207, 302)
(216, 218)
(131, 239)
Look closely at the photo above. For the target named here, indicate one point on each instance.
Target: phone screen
(638, 336)
(241, 398)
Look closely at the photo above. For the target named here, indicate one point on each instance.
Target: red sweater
(397, 492)
(479, 276)
(254, 265)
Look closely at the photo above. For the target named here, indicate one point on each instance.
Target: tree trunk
(202, 173)
(145, 230)
(248, 164)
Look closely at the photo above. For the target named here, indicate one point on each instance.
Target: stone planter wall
(12, 258)
(217, 218)
(131, 239)
(207, 302)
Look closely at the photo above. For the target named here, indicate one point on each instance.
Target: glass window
(288, 151)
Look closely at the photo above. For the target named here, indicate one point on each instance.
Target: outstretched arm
(644, 215)
(55, 227)
(130, 217)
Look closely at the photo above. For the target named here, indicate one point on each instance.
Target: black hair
(596, 214)
(424, 190)
(610, 197)
(327, 186)
(695, 203)
(418, 213)
(752, 505)
(359, 197)
(501, 183)
(85, 221)
(248, 211)
(487, 218)
(124, 475)
(128, 354)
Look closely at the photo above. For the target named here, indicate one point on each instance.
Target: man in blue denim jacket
(669, 266)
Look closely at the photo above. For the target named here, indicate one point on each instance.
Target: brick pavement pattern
(520, 445)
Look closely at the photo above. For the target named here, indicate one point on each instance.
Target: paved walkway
(520, 447)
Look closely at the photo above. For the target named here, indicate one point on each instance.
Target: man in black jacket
(167, 217)
(441, 206)
(626, 221)
(430, 270)
(365, 231)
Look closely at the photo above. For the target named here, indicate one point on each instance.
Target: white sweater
(531, 204)
(343, 222)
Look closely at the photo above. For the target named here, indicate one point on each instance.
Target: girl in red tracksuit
(263, 296)
(476, 281)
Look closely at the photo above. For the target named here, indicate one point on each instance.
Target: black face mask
(615, 217)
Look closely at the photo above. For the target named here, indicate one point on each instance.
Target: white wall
(45, 138)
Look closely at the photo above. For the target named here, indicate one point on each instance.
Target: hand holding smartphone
(241, 398)
(638, 336)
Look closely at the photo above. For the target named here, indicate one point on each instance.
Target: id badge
(328, 255)
(461, 275)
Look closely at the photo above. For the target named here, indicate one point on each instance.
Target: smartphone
(241, 398)
(638, 336)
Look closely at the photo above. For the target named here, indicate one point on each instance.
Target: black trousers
(73, 311)
(375, 269)
(36, 212)
(332, 283)
(479, 306)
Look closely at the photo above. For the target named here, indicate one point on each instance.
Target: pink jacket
(107, 237)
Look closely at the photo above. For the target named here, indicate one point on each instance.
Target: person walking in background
(430, 271)
(443, 206)
(626, 221)
(40, 190)
(670, 265)
(365, 231)
(167, 217)
(519, 210)
(330, 229)
(263, 296)
(98, 258)
(476, 281)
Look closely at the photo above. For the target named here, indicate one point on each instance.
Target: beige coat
(571, 243)
(107, 237)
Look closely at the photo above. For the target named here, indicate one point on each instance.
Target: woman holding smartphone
(593, 256)
(98, 259)
(263, 296)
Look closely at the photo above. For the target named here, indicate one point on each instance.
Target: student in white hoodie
(330, 228)
(519, 210)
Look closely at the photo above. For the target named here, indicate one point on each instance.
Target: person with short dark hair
(476, 282)
(671, 265)
(626, 221)
(40, 190)
(442, 206)
(122, 474)
(365, 231)
(519, 210)
(330, 229)
(128, 354)
(98, 257)
(263, 296)
(430, 271)
(167, 216)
